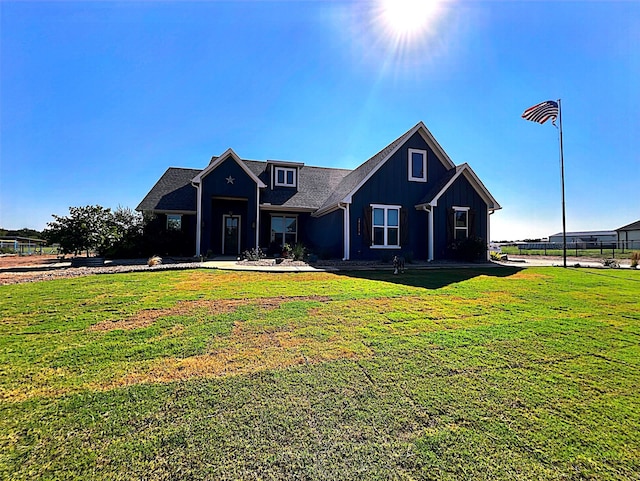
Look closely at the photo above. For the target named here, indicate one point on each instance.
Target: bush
(299, 252)
(635, 259)
(469, 249)
(253, 254)
(154, 261)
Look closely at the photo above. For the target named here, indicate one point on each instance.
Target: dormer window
(417, 165)
(285, 177)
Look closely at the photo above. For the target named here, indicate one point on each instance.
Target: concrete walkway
(232, 265)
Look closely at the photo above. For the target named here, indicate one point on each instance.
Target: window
(285, 177)
(174, 222)
(385, 225)
(284, 229)
(460, 223)
(417, 165)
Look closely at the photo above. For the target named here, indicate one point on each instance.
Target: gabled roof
(172, 193)
(357, 178)
(315, 184)
(633, 226)
(432, 197)
(215, 162)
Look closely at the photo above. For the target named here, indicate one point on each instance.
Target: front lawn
(438, 374)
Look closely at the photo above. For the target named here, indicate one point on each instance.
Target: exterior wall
(460, 194)
(324, 235)
(321, 236)
(160, 241)
(629, 239)
(390, 185)
(243, 190)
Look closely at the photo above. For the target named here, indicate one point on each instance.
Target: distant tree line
(29, 233)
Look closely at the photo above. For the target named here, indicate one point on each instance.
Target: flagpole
(564, 217)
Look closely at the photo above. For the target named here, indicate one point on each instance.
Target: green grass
(439, 374)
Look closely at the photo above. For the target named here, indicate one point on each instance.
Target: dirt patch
(12, 260)
(148, 317)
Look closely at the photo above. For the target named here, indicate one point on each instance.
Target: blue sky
(98, 99)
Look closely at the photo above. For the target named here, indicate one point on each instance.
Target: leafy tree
(126, 233)
(89, 228)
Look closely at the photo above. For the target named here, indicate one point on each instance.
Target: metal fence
(583, 248)
(22, 245)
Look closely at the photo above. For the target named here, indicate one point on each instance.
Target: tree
(89, 228)
(127, 227)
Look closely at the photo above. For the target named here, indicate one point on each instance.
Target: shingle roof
(173, 192)
(315, 184)
(451, 176)
(319, 189)
(351, 181)
(438, 186)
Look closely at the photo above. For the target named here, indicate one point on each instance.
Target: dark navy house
(408, 199)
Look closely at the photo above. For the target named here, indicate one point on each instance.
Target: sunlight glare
(408, 19)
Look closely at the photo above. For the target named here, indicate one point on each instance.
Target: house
(407, 199)
(628, 236)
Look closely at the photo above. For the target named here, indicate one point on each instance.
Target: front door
(231, 235)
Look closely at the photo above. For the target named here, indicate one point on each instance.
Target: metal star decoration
(230, 180)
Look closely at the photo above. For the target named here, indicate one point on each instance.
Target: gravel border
(43, 274)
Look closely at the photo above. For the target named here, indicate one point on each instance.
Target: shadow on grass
(430, 278)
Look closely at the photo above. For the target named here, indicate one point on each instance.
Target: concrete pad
(234, 266)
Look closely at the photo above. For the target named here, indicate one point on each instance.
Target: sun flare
(408, 19)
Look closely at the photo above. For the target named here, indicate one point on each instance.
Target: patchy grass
(452, 374)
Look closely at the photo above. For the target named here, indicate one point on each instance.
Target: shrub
(154, 261)
(253, 254)
(635, 259)
(286, 251)
(469, 249)
(299, 252)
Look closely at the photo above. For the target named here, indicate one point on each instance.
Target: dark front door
(231, 235)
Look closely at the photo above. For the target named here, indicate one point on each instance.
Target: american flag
(542, 112)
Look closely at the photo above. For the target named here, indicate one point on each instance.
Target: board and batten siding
(390, 186)
(460, 194)
(243, 188)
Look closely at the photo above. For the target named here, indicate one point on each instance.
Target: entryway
(231, 234)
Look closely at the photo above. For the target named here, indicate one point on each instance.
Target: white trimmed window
(385, 225)
(460, 223)
(417, 165)
(285, 177)
(284, 229)
(174, 221)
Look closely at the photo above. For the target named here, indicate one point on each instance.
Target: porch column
(257, 216)
(345, 230)
(198, 219)
(430, 235)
